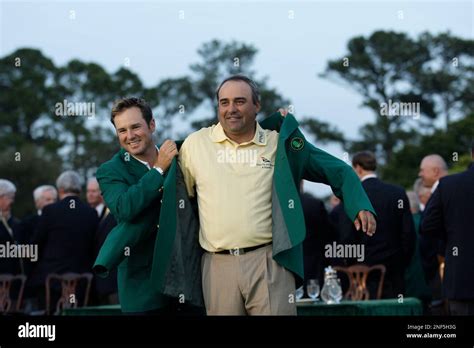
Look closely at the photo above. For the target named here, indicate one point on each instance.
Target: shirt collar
(145, 163)
(218, 135)
(368, 176)
(435, 185)
(99, 209)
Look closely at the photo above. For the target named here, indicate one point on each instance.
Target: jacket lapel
(134, 167)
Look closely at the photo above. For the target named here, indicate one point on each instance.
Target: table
(409, 306)
(96, 310)
(389, 307)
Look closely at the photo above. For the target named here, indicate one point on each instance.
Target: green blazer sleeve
(323, 167)
(127, 201)
(316, 165)
(124, 235)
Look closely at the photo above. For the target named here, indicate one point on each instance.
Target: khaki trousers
(247, 284)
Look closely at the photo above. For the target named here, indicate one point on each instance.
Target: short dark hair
(122, 104)
(250, 82)
(365, 159)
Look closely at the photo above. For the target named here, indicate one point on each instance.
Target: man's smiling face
(237, 112)
(134, 134)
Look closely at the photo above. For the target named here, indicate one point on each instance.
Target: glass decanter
(332, 291)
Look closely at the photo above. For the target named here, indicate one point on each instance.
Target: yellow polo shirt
(233, 183)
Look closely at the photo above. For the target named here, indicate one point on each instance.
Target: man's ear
(258, 107)
(357, 169)
(152, 125)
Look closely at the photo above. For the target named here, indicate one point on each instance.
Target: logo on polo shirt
(265, 163)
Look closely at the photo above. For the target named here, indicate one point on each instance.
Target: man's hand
(168, 151)
(283, 111)
(366, 220)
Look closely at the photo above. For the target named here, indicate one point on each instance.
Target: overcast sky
(295, 39)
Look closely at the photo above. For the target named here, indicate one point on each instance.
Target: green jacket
(175, 260)
(142, 200)
(415, 284)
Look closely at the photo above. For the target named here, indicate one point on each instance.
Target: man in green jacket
(132, 184)
(245, 176)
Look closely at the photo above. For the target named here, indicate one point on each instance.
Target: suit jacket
(11, 265)
(448, 216)
(65, 238)
(394, 241)
(176, 256)
(27, 229)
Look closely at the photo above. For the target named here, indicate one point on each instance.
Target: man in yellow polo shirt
(230, 166)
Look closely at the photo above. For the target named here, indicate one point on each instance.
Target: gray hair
(7, 187)
(436, 161)
(253, 86)
(92, 179)
(418, 186)
(43, 188)
(414, 201)
(69, 181)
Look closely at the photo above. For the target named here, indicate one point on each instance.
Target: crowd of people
(424, 237)
(67, 234)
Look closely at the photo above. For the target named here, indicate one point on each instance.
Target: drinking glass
(312, 288)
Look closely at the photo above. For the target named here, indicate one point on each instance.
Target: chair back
(69, 295)
(357, 275)
(7, 305)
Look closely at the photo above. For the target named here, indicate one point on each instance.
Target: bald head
(432, 168)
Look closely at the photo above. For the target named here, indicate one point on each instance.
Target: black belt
(240, 251)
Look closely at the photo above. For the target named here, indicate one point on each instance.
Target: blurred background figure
(415, 283)
(432, 168)
(422, 192)
(94, 198)
(448, 216)
(104, 289)
(9, 227)
(393, 243)
(9, 233)
(318, 234)
(43, 195)
(65, 237)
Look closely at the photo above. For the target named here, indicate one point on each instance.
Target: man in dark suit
(105, 289)
(43, 195)
(432, 168)
(9, 232)
(448, 216)
(65, 235)
(94, 198)
(393, 244)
